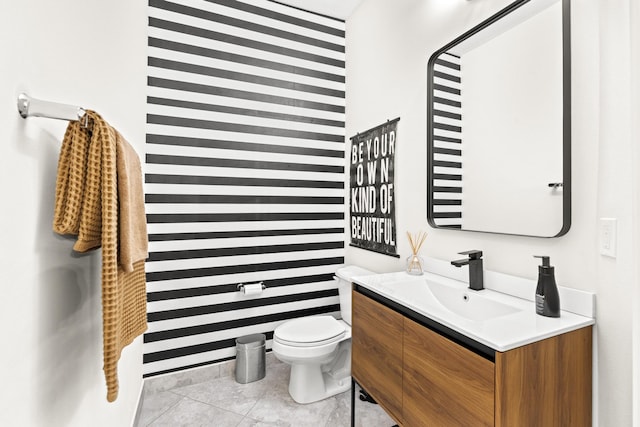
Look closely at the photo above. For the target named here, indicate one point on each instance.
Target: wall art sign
(372, 201)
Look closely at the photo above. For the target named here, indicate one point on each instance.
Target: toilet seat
(310, 331)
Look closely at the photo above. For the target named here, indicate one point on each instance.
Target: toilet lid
(309, 331)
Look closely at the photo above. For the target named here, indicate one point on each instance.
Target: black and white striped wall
(447, 141)
(244, 173)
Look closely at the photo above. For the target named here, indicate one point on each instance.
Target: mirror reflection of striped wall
(447, 142)
(244, 173)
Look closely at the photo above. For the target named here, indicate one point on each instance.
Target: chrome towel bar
(32, 107)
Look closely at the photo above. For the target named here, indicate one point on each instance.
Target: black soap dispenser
(547, 298)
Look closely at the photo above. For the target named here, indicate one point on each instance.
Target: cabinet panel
(547, 383)
(377, 352)
(422, 378)
(444, 384)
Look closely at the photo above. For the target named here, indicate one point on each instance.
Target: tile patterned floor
(222, 402)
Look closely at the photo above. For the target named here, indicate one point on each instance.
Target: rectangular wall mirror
(499, 124)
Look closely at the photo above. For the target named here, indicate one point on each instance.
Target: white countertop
(504, 332)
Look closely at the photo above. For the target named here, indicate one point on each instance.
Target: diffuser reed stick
(416, 241)
(414, 262)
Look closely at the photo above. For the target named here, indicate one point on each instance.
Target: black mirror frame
(566, 116)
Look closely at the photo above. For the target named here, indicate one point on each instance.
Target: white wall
(90, 53)
(616, 190)
(388, 45)
(635, 135)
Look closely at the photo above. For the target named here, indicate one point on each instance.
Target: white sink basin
(470, 304)
(453, 296)
(496, 319)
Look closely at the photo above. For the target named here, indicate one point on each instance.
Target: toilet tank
(344, 276)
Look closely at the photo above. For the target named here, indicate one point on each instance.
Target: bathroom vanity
(485, 360)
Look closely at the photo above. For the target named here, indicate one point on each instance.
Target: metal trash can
(250, 358)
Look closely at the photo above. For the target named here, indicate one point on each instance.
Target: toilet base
(309, 384)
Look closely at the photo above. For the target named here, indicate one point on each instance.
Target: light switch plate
(608, 236)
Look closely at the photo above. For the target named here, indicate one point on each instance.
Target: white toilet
(318, 348)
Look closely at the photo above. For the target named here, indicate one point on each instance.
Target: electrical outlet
(608, 236)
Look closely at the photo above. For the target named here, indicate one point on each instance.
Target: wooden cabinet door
(444, 384)
(377, 352)
(546, 383)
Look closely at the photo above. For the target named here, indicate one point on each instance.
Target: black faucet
(476, 281)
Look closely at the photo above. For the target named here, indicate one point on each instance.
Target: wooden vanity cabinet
(422, 377)
(546, 383)
(444, 382)
(377, 352)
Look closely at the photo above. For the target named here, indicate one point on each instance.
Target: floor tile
(183, 378)
(189, 413)
(223, 402)
(367, 414)
(155, 404)
(248, 422)
(226, 393)
(280, 407)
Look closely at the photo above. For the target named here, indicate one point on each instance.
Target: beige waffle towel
(99, 198)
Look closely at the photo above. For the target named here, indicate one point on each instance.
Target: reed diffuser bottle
(415, 263)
